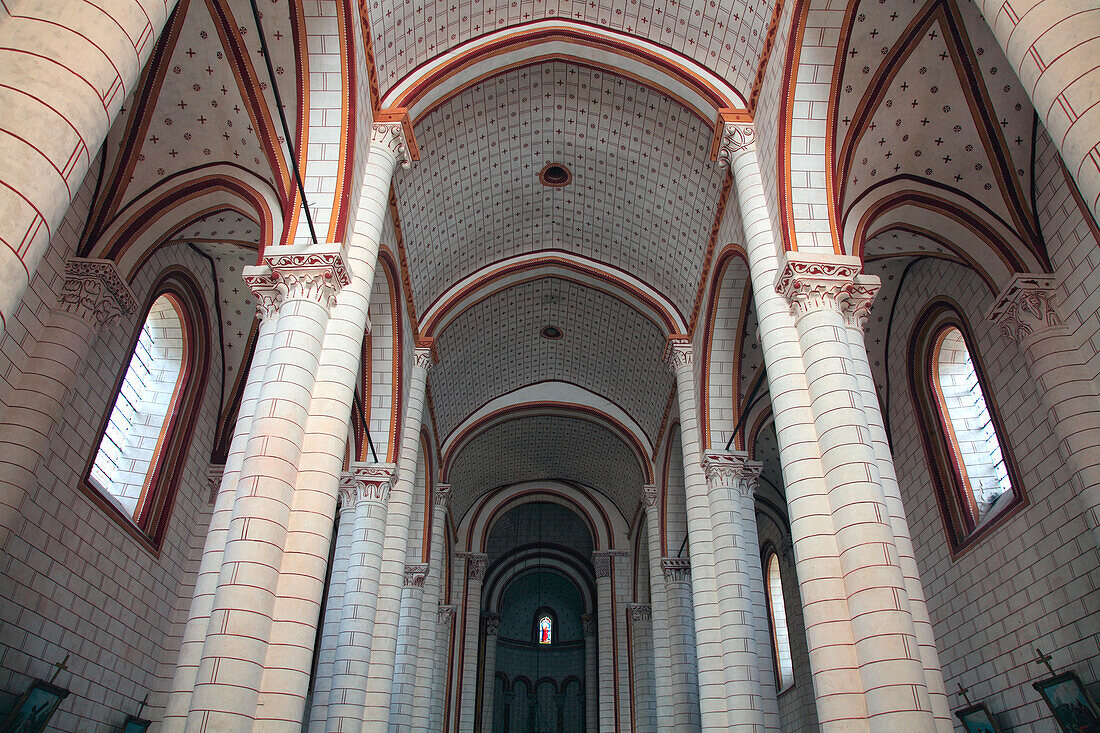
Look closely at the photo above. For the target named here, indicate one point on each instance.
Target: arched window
(971, 467)
(143, 440)
(545, 626)
(777, 616)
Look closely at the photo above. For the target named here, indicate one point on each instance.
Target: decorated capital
(649, 495)
(214, 474)
(677, 352)
(314, 272)
(415, 575)
(492, 623)
(367, 482)
(392, 133)
(425, 354)
(861, 296)
(261, 281)
(442, 498)
(476, 563)
(94, 292)
(639, 612)
(811, 282)
(1026, 308)
(676, 569)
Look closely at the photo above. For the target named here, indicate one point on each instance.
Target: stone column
(383, 656)
(1053, 47)
(658, 601)
(206, 582)
(708, 627)
(93, 297)
(334, 605)
(466, 682)
(676, 573)
(1026, 313)
(68, 66)
(301, 580)
(235, 650)
(857, 310)
(638, 617)
(491, 622)
(746, 710)
(437, 699)
(833, 662)
(605, 613)
(591, 674)
(429, 639)
(749, 475)
(368, 488)
(408, 639)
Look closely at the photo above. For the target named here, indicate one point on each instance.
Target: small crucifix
(963, 691)
(61, 666)
(1043, 659)
(144, 700)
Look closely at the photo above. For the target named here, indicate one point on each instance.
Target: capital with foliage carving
(261, 281)
(1026, 309)
(676, 569)
(677, 352)
(639, 612)
(812, 281)
(214, 475)
(314, 272)
(492, 623)
(861, 296)
(476, 563)
(445, 614)
(649, 495)
(588, 624)
(442, 498)
(425, 354)
(94, 293)
(737, 138)
(415, 575)
(723, 468)
(392, 132)
(367, 482)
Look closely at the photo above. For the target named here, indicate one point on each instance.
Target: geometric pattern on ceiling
(898, 243)
(222, 227)
(924, 126)
(608, 348)
(725, 37)
(546, 447)
(643, 195)
(200, 117)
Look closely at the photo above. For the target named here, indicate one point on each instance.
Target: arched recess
(155, 217)
(606, 523)
(566, 265)
(555, 560)
(673, 497)
(723, 343)
(678, 76)
(378, 401)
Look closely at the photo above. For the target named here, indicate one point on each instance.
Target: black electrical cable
(748, 407)
(282, 118)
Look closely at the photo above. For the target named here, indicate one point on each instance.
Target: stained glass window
(546, 629)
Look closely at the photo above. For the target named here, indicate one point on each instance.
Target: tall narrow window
(972, 470)
(145, 436)
(777, 614)
(545, 626)
(968, 424)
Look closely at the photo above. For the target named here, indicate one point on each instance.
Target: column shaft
(466, 683)
(426, 655)
(437, 699)
(488, 681)
(658, 602)
(408, 641)
(682, 667)
(605, 618)
(591, 674)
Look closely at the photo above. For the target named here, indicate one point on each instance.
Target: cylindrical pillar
(491, 623)
(1025, 312)
(301, 579)
(591, 674)
(92, 297)
(391, 583)
(605, 614)
(408, 641)
(470, 630)
(206, 582)
(833, 663)
(1053, 47)
(426, 644)
(684, 673)
(643, 690)
(235, 651)
(368, 487)
(658, 602)
(334, 607)
(708, 626)
(437, 700)
(723, 472)
(68, 66)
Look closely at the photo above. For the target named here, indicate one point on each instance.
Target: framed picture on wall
(135, 725)
(976, 719)
(35, 708)
(1069, 701)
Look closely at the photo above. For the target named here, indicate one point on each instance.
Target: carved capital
(676, 569)
(649, 495)
(391, 133)
(425, 354)
(861, 296)
(94, 293)
(415, 575)
(730, 469)
(810, 282)
(309, 272)
(445, 614)
(639, 612)
(786, 549)
(1026, 308)
(492, 623)
(367, 482)
(677, 352)
(475, 564)
(261, 281)
(442, 496)
(750, 477)
(603, 561)
(214, 481)
(588, 624)
(737, 138)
